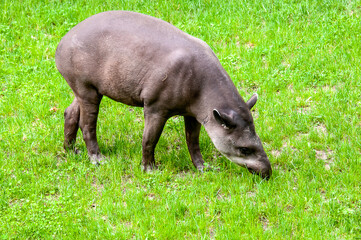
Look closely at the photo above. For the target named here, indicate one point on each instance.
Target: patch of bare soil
(97, 186)
(326, 157)
(251, 194)
(304, 109)
(265, 222)
(277, 152)
(249, 45)
(321, 129)
(328, 88)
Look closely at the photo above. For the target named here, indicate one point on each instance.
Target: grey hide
(146, 62)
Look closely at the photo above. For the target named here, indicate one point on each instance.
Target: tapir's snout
(263, 169)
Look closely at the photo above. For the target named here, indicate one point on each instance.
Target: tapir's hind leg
(71, 125)
(89, 109)
(193, 128)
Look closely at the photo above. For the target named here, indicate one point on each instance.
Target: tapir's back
(118, 52)
(148, 28)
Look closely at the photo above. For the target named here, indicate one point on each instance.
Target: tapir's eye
(245, 151)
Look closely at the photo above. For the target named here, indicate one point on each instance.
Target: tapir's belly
(121, 78)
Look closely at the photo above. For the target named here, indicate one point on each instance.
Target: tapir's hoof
(149, 168)
(97, 159)
(201, 168)
(204, 167)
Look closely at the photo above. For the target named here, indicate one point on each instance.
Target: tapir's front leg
(153, 127)
(193, 127)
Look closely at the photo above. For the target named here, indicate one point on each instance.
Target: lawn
(303, 59)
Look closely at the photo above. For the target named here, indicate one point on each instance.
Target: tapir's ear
(252, 101)
(223, 119)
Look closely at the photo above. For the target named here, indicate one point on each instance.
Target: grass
(303, 58)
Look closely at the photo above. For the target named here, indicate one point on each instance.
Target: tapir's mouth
(265, 173)
(258, 166)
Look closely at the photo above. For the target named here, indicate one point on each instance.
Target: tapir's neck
(218, 92)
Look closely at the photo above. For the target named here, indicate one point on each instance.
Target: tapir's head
(232, 132)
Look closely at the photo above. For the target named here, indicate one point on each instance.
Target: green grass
(303, 58)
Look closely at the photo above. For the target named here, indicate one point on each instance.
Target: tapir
(146, 62)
